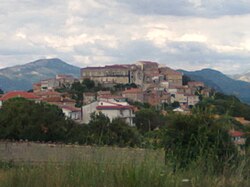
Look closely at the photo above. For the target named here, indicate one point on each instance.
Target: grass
(104, 166)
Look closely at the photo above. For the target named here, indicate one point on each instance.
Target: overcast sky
(187, 34)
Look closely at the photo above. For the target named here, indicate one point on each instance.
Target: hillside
(221, 83)
(22, 77)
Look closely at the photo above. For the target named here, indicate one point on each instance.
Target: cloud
(202, 8)
(189, 34)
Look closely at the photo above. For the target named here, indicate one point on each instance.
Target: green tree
(194, 138)
(1, 91)
(25, 119)
(148, 119)
(90, 84)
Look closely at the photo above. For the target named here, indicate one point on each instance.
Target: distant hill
(22, 77)
(221, 83)
(242, 77)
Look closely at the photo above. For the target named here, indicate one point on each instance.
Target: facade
(115, 74)
(134, 94)
(173, 77)
(71, 112)
(110, 109)
(195, 84)
(237, 137)
(179, 97)
(89, 97)
(192, 99)
(54, 83)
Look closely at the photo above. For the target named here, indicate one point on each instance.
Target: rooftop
(23, 94)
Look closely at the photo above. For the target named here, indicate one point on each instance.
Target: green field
(34, 165)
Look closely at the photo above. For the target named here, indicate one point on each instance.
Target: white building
(110, 109)
(71, 112)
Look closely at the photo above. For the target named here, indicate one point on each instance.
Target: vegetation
(1, 91)
(117, 167)
(223, 104)
(199, 142)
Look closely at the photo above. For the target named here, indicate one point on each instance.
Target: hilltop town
(117, 88)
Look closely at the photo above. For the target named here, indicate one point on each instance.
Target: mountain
(22, 77)
(221, 83)
(242, 77)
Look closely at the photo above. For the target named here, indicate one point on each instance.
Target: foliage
(148, 119)
(24, 119)
(223, 104)
(188, 138)
(104, 132)
(1, 91)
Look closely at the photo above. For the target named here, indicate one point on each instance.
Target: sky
(182, 34)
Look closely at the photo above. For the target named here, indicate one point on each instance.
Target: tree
(194, 138)
(185, 79)
(1, 91)
(148, 119)
(25, 119)
(90, 84)
(104, 132)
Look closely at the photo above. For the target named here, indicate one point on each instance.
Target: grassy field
(34, 165)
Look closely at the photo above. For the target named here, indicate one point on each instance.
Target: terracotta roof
(13, 94)
(236, 133)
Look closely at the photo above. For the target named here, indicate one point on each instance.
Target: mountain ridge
(21, 77)
(221, 82)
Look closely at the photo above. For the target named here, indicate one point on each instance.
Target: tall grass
(101, 171)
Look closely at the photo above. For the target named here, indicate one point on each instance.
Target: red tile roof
(13, 94)
(236, 133)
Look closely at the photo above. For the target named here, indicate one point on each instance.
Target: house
(51, 84)
(71, 112)
(195, 84)
(192, 99)
(179, 97)
(134, 94)
(114, 74)
(89, 97)
(111, 109)
(237, 137)
(15, 94)
(174, 78)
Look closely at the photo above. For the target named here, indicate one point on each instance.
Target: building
(195, 84)
(89, 97)
(18, 94)
(237, 137)
(51, 84)
(71, 112)
(174, 78)
(114, 74)
(179, 97)
(111, 109)
(192, 99)
(134, 94)
(149, 72)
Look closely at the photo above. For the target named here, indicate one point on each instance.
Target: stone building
(114, 74)
(173, 77)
